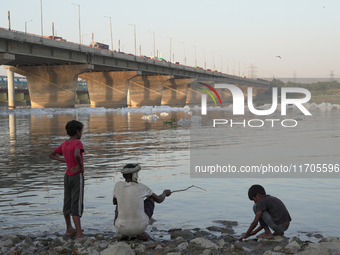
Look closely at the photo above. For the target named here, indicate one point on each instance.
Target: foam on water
(147, 110)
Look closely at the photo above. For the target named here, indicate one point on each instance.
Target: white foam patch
(147, 110)
(150, 117)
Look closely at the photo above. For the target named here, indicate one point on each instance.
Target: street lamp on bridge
(184, 59)
(205, 61)
(134, 29)
(154, 45)
(110, 31)
(195, 56)
(213, 61)
(170, 46)
(26, 25)
(79, 22)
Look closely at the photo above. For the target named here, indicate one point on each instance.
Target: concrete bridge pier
(109, 89)
(175, 92)
(52, 86)
(147, 89)
(10, 88)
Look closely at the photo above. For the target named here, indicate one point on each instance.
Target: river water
(31, 184)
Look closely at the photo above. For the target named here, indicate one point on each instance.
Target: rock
(318, 236)
(15, 239)
(277, 248)
(292, 247)
(201, 233)
(173, 253)
(267, 253)
(88, 243)
(330, 239)
(7, 243)
(273, 253)
(62, 250)
(207, 252)
(102, 246)
(99, 236)
(186, 234)
(275, 239)
(182, 246)
(118, 249)
(324, 248)
(238, 247)
(204, 243)
(227, 231)
(158, 247)
(140, 249)
(296, 239)
(174, 229)
(227, 223)
(92, 251)
(228, 238)
(214, 228)
(221, 243)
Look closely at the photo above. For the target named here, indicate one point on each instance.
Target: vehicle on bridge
(99, 45)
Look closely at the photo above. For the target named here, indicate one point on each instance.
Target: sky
(236, 34)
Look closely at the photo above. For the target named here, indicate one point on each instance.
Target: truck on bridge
(99, 45)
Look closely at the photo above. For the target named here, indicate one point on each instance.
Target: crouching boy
(135, 204)
(269, 211)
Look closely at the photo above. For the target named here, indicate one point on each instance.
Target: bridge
(114, 79)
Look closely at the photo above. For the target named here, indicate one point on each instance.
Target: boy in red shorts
(72, 149)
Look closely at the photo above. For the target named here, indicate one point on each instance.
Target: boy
(132, 211)
(72, 149)
(269, 211)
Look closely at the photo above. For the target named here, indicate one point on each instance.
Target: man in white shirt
(133, 211)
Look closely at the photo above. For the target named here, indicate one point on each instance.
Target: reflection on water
(31, 184)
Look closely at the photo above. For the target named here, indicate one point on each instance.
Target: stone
(174, 229)
(102, 246)
(62, 250)
(221, 243)
(324, 248)
(7, 243)
(158, 247)
(292, 247)
(227, 223)
(186, 234)
(296, 239)
(238, 247)
(99, 236)
(277, 248)
(92, 251)
(140, 249)
(330, 239)
(207, 252)
(204, 243)
(318, 236)
(173, 253)
(118, 249)
(275, 239)
(214, 228)
(182, 246)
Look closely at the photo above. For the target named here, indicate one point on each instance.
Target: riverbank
(182, 242)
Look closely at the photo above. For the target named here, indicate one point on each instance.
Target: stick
(187, 189)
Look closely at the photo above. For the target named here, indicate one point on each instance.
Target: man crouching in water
(132, 211)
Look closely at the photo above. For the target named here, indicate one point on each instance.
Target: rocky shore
(217, 239)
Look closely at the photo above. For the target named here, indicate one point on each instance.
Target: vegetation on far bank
(317, 89)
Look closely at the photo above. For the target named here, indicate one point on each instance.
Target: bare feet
(71, 232)
(265, 235)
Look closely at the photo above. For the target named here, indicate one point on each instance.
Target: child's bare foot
(265, 235)
(71, 232)
(278, 233)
